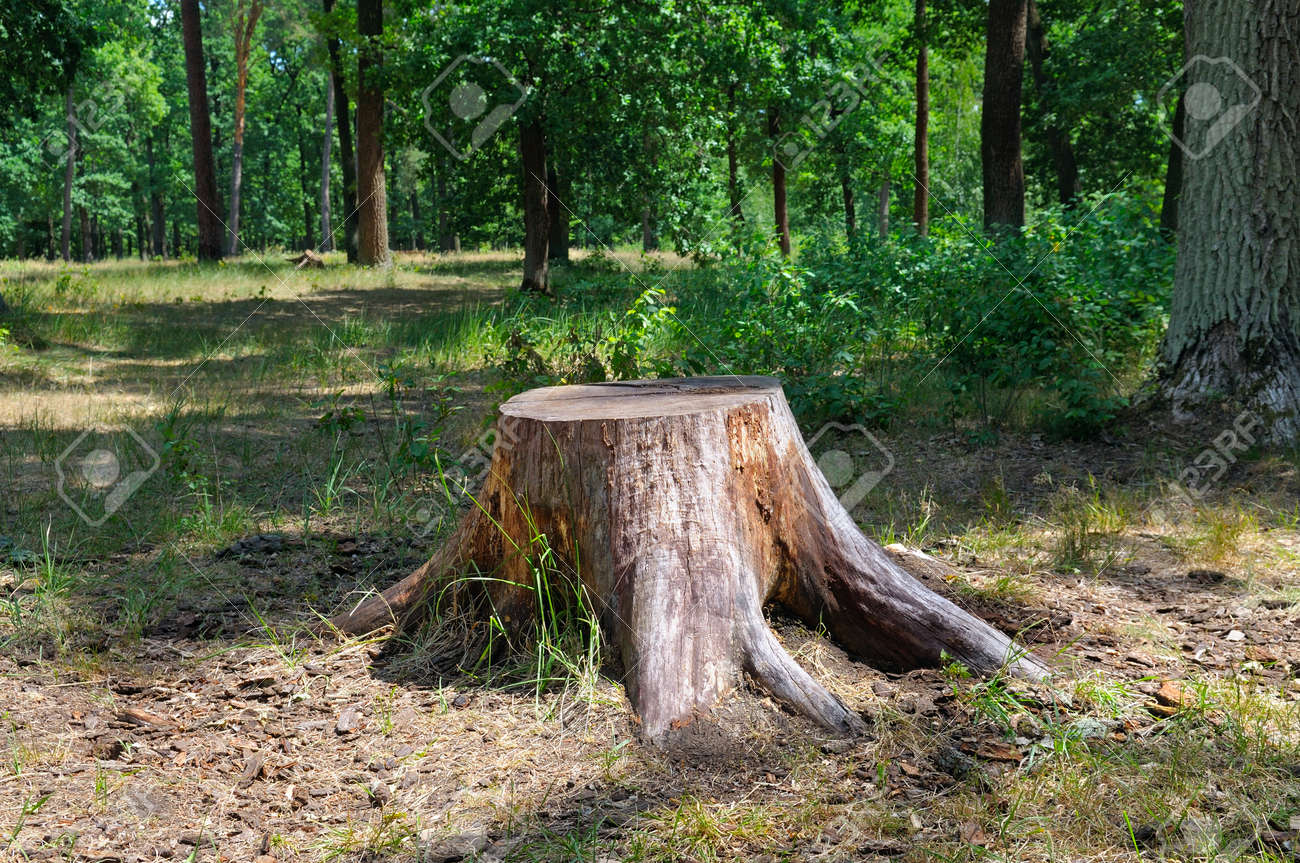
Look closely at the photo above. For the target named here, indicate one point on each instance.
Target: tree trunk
(417, 231)
(850, 210)
(326, 232)
(691, 504)
(69, 172)
(557, 204)
(1236, 305)
(781, 212)
(205, 178)
(649, 242)
(882, 208)
(87, 236)
(347, 160)
(245, 24)
(372, 206)
(537, 229)
(446, 241)
(1004, 173)
(305, 178)
(921, 196)
(1068, 189)
(1174, 175)
(157, 218)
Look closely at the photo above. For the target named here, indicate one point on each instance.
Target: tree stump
(685, 506)
(308, 258)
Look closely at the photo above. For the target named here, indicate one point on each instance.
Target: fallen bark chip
(137, 716)
(1173, 694)
(348, 720)
(993, 751)
(253, 765)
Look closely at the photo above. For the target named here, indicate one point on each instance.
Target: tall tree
(246, 14)
(537, 216)
(1058, 139)
(372, 209)
(347, 159)
(69, 171)
(326, 232)
(205, 176)
(1234, 326)
(1004, 173)
(780, 208)
(921, 140)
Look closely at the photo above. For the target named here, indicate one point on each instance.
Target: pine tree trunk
(781, 211)
(1058, 140)
(372, 193)
(1004, 173)
(921, 196)
(69, 173)
(1232, 338)
(681, 508)
(537, 228)
(205, 177)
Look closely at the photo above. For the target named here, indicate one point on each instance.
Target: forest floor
(162, 696)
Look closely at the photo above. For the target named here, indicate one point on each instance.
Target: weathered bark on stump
(690, 503)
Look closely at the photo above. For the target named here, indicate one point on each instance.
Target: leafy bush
(1066, 313)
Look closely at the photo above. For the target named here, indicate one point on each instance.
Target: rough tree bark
(246, 15)
(781, 211)
(1004, 173)
(347, 159)
(1233, 323)
(921, 197)
(537, 227)
(1068, 188)
(372, 192)
(205, 176)
(690, 504)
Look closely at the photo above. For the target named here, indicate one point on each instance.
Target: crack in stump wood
(690, 505)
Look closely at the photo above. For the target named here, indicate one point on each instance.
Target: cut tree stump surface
(682, 507)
